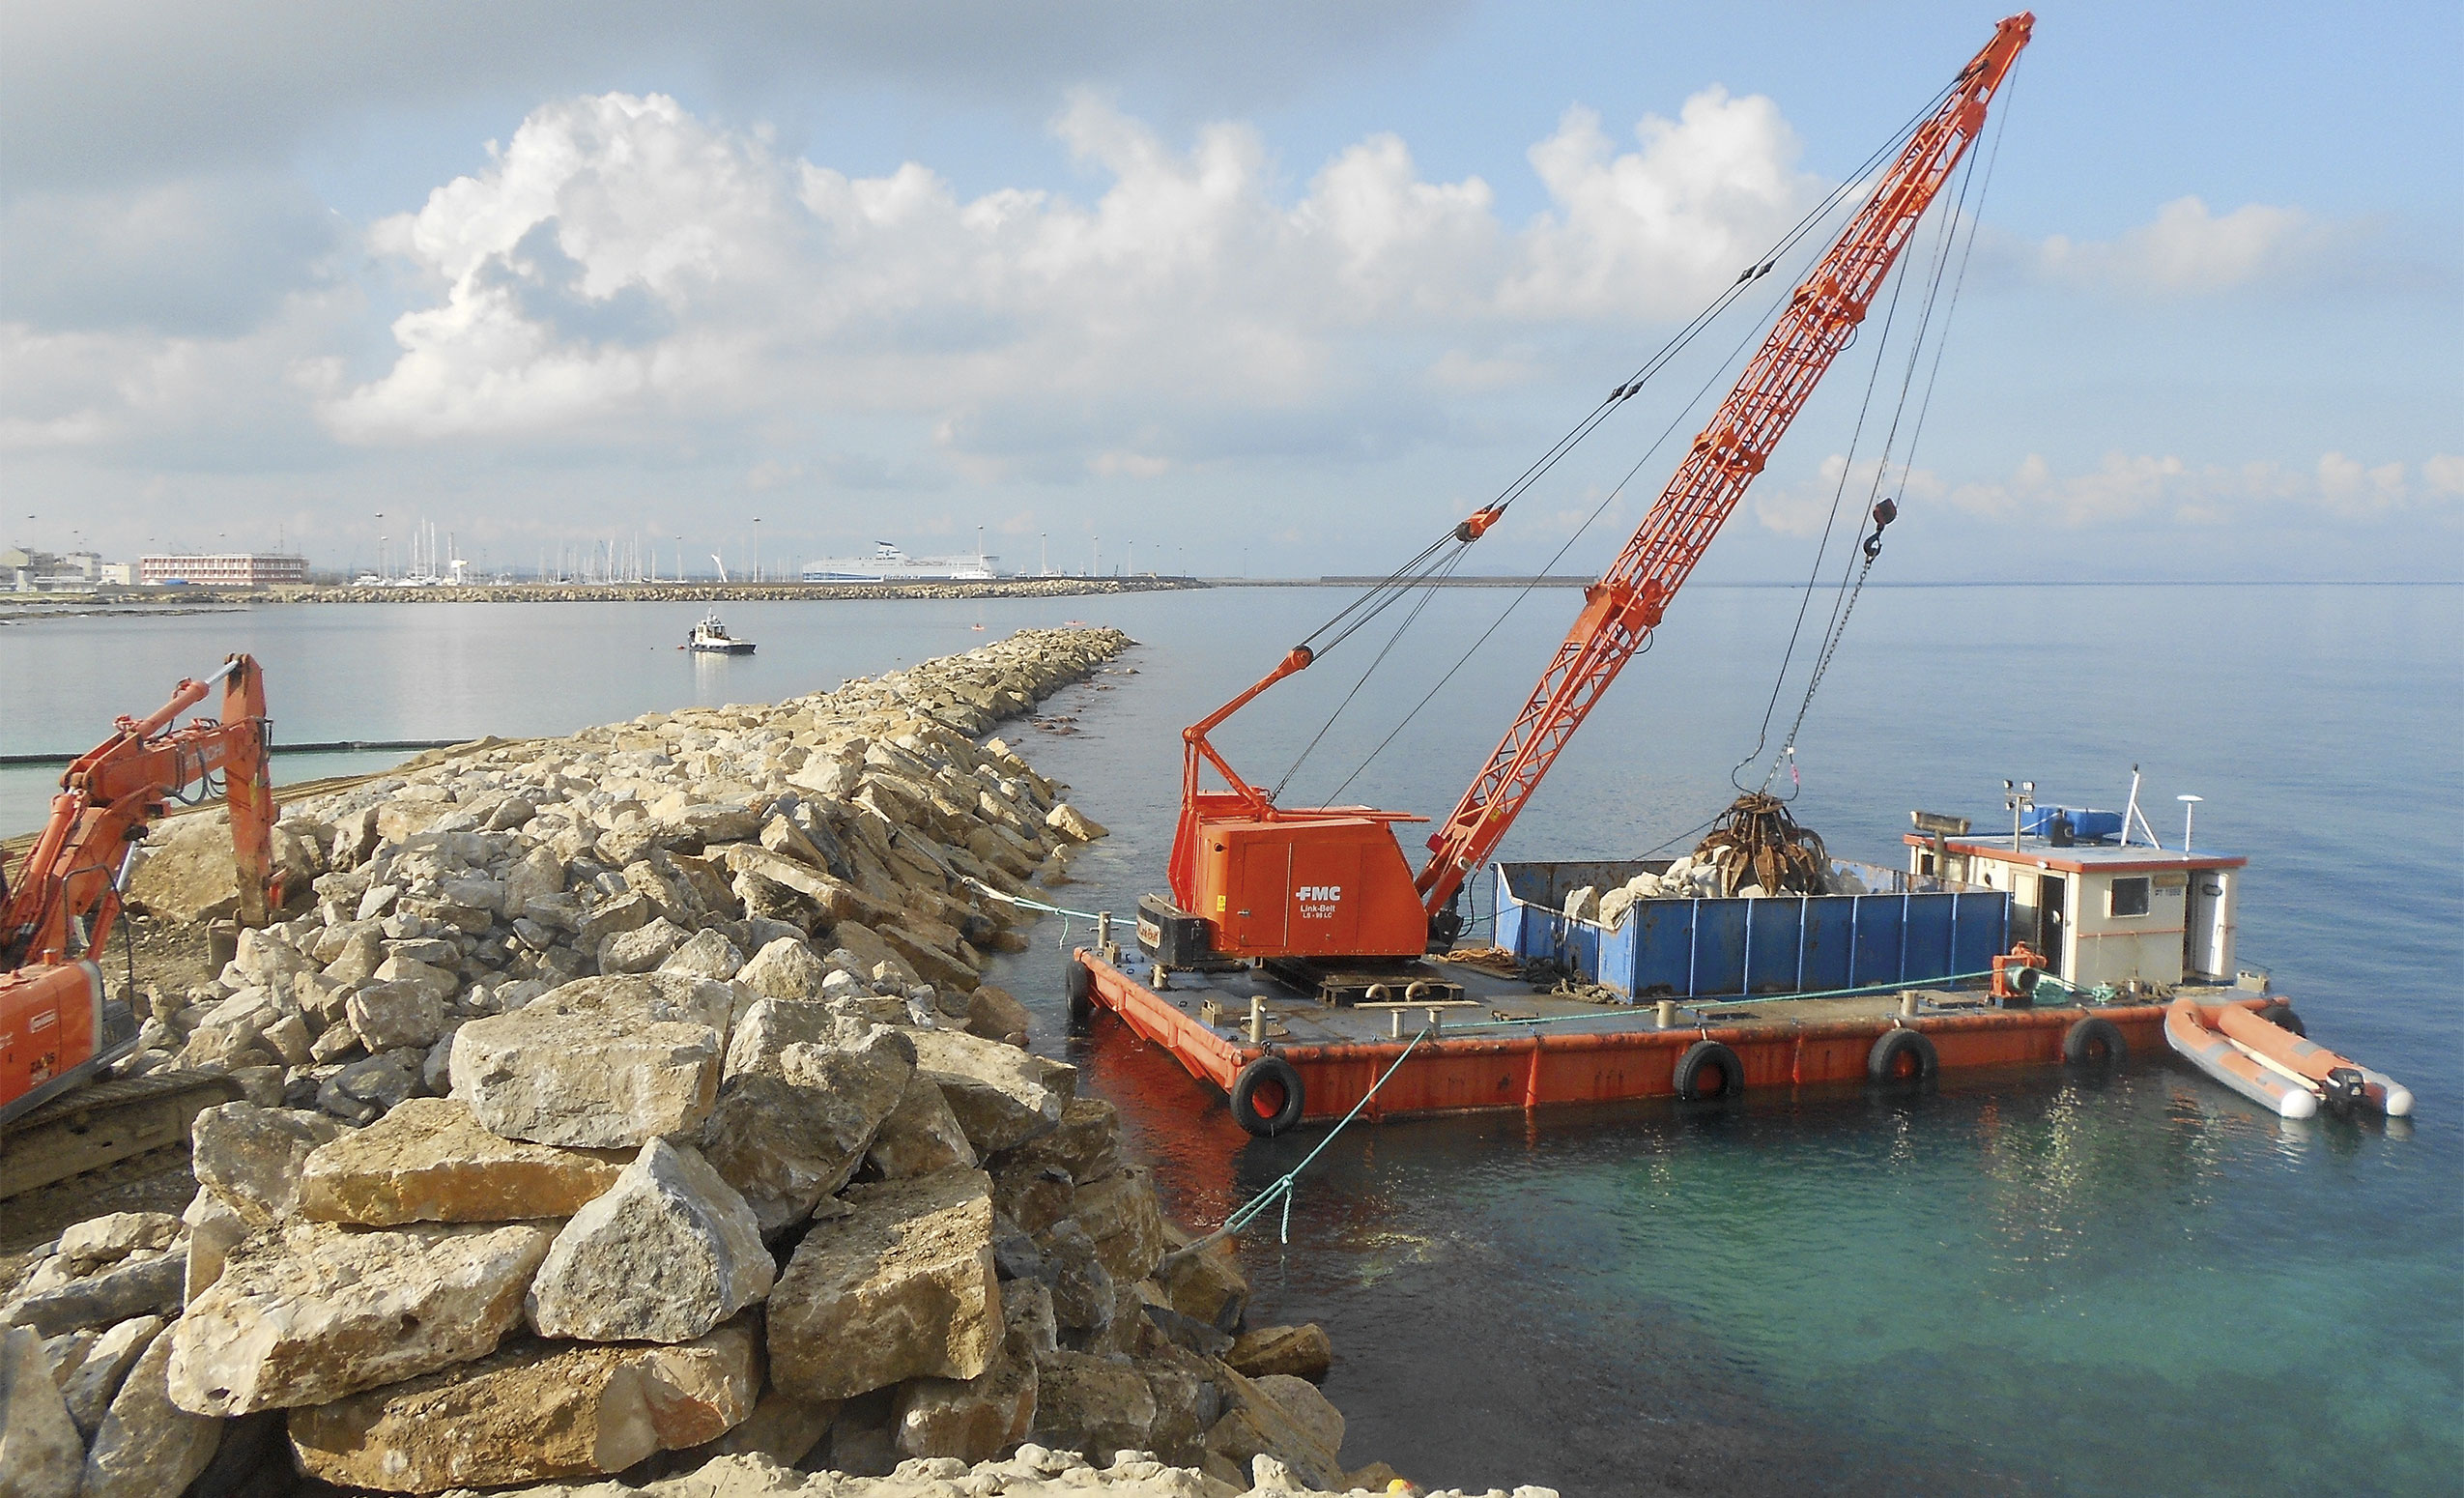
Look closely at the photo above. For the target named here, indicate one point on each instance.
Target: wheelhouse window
(2129, 895)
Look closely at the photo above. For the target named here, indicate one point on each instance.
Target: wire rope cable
(1383, 594)
(1845, 604)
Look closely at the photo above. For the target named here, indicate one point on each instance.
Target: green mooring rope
(1283, 1188)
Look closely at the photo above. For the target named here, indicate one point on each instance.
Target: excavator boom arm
(1620, 609)
(66, 894)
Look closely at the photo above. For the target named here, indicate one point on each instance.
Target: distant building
(236, 569)
(117, 574)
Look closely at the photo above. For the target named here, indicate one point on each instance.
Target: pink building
(236, 569)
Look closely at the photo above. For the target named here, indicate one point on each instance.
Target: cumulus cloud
(2136, 489)
(2126, 490)
(623, 261)
(1649, 230)
(2189, 249)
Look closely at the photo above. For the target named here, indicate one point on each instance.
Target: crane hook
(1883, 515)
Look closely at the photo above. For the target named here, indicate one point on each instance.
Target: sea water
(2013, 1282)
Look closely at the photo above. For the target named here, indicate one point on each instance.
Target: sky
(1282, 289)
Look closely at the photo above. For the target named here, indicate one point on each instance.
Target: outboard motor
(2346, 1090)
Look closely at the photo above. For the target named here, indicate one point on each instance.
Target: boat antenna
(2133, 813)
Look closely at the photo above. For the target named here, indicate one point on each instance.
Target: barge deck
(1504, 1045)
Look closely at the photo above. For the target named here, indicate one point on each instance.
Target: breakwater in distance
(156, 600)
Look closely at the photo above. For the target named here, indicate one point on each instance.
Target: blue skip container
(1911, 930)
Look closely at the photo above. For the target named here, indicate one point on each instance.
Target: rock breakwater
(632, 1104)
(730, 593)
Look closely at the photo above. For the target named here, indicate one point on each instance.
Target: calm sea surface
(2017, 1283)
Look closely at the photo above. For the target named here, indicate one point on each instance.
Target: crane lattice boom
(1623, 607)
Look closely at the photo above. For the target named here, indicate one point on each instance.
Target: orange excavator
(58, 1031)
(1252, 879)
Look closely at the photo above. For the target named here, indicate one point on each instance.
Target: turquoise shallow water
(2017, 1283)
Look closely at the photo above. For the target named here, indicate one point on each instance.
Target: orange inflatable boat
(2274, 1066)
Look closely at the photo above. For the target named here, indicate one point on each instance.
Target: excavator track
(105, 1121)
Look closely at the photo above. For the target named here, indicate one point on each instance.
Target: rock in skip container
(668, 1253)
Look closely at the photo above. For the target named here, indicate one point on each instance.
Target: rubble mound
(631, 1105)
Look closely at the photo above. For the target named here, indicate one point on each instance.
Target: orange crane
(56, 1029)
(1251, 879)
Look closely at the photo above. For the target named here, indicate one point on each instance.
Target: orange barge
(1284, 1058)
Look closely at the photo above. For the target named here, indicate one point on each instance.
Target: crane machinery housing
(1252, 879)
(58, 1029)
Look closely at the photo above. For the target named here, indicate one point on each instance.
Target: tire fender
(2279, 1013)
(1894, 1046)
(2095, 1041)
(1079, 984)
(1708, 1069)
(1266, 1073)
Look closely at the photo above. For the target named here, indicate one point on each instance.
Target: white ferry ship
(889, 564)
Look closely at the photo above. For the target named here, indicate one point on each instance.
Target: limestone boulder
(786, 1139)
(708, 955)
(641, 949)
(1296, 1351)
(1120, 1213)
(314, 1312)
(898, 1286)
(1285, 1419)
(1092, 1404)
(148, 1446)
(41, 1454)
(88, 1392)
(970, 1419)
(770, 1025)
(784, 970)
(385, 1015)
(1204, 1284)
(992, 1014)
(602, 1063)
(933, 961)
(1084, 1296)
(215, 1228)
(540, 872)
(921, 1135)
(1074, 824)
(781, 1428)
(1085, 1147)
(531, 1412)
(1002, 1095)
(191, 873)
(667, 1252)
(114, 1236)
(140, 1285)
(611, 918)
(429, 1160)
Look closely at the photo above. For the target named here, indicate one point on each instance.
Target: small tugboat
(711, 638)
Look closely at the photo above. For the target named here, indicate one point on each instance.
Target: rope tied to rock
(1022, 904)
(1284, 1187)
